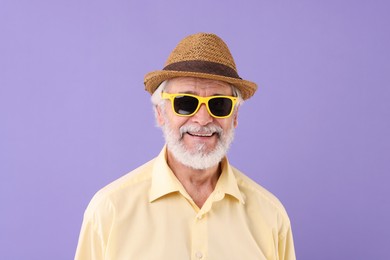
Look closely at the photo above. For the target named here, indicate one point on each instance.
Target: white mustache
(209, 129)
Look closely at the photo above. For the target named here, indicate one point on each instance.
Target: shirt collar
(163, 179)
(227, 182)
(165, 182)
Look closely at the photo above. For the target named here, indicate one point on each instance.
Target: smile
(201, 134)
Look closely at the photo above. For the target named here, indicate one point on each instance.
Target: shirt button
(198, 255)
(200, 217)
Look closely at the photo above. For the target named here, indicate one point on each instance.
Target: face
(199, 141)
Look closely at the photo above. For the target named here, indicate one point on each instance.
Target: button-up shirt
(147, 214)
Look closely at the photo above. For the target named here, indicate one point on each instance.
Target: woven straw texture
(202, 46)
(195, 49)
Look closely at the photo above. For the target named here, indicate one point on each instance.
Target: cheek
(227, 123)
(174, 121)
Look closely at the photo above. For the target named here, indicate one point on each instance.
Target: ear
(235, 118)
(159, 116)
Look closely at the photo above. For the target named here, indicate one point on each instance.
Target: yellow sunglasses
(188, 104)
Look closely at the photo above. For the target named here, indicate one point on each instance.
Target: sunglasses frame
(201, 100)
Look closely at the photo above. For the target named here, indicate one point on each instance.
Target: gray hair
(156, 96)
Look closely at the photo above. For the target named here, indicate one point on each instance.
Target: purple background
(74, 115)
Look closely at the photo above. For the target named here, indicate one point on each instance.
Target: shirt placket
(200, 228)
(200, 237)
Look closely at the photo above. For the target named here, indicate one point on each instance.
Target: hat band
(200, 66)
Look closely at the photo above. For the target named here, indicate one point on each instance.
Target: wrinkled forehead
(198, 86)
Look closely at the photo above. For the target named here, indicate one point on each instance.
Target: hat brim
(155, 78)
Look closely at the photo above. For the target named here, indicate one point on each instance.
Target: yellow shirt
(147, 214)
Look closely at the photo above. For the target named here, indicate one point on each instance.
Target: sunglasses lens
(185, 105)
(220, 106)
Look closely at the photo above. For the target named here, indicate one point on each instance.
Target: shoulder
(259, 197)
(262, 206)
(131, 185)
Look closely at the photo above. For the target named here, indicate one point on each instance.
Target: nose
(202, 116)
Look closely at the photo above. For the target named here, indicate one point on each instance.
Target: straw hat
(201, 55)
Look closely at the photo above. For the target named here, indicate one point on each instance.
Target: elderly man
(189, 202)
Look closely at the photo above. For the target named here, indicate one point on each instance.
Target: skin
(198, 183)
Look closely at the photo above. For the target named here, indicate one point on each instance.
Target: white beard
(199, 158)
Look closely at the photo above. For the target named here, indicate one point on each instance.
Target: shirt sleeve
(95, 230)
(286, 246)
(90, 245)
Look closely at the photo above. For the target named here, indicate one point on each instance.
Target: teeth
(202, 135)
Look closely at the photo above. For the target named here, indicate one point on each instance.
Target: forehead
(198, 85)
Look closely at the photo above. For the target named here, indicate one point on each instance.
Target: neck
(199, 184)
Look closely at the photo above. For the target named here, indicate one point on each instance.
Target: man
(189, 202)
